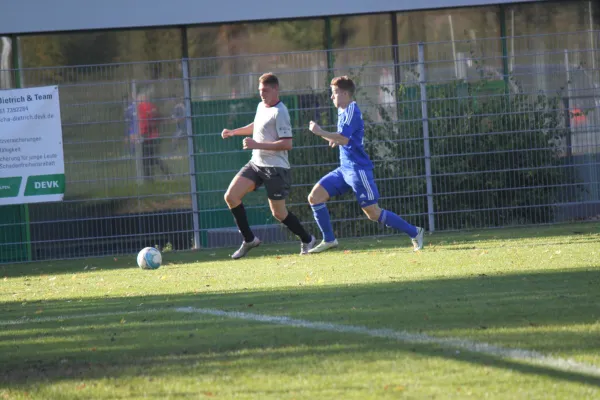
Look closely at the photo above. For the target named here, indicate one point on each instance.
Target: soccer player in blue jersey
(355, 171)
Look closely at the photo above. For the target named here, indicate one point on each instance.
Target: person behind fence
(178, 115)
(148, 130)
(270, 142)
(354, 173)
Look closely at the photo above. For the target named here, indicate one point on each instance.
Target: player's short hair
(269, 79)
(344, 83)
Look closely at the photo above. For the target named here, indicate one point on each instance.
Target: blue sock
(394, 221)
(321, 214)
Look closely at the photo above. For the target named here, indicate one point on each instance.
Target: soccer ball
(149, 258)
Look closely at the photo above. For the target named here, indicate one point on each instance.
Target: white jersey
(270, 125)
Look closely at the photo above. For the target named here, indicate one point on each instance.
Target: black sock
(294, 225)
(241, 220)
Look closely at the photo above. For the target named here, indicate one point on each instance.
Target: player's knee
(372, 213)
(314, 198)
(230, 199)
(372, 216)
(280, 215)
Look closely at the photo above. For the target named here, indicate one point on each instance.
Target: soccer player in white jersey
(354, 173)
(270, 142)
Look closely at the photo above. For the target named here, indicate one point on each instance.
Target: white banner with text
(32, 167)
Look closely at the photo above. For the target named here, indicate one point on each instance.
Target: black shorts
(277, 180)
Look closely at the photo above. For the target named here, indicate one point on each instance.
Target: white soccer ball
(149, 258)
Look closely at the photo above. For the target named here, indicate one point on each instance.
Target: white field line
(529, 356)
(407, 337)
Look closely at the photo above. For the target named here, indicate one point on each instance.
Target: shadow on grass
(454, 241)
(145, 336)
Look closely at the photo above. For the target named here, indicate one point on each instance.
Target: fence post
(329, 46)
(427, 151)
(591, 36)
(331, 112)
(397, 68)
(505, 61)
(569, 88)
(137, 144)
(19, 83)
(187, 94)
(569, 108)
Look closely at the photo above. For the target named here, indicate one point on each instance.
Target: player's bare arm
(332, 137)
(243, 131)
(279, 145)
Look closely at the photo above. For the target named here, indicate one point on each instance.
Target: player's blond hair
(344, 83)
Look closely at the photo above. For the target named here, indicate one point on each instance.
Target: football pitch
(494, 314)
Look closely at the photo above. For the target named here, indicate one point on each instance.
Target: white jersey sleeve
(283, 123)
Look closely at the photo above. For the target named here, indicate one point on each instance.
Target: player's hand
(226, 133)
(314, 127)
(332, 144)
(250, 144)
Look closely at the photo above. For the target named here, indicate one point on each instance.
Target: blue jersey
(351, 125)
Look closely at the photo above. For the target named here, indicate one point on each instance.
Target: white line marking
(406, 337)
(529, 356)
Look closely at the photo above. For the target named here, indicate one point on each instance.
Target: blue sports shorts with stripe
(361, 181)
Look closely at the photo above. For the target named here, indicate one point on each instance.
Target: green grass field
(370, 320)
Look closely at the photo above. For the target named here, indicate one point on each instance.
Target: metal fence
(464, 134)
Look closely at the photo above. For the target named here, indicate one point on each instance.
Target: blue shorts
(361, 181)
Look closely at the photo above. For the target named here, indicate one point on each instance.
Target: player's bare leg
(238, 188)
